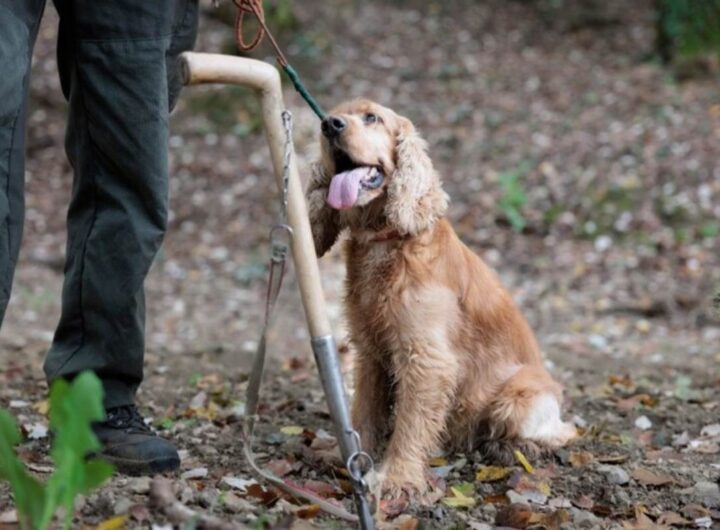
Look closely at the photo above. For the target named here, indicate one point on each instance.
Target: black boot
(131, 446)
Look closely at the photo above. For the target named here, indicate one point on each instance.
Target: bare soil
(616, 266)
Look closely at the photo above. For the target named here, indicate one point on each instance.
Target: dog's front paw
(397, 494)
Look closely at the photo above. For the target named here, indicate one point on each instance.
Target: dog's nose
(333, 125)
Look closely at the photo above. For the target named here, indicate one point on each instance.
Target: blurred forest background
(580, 144)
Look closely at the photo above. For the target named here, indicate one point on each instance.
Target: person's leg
(19, 22)
(116, 60)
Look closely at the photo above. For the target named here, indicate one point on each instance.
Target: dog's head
(379, 171)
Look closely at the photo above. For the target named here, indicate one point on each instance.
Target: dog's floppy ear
(324, 221)
(415, 195)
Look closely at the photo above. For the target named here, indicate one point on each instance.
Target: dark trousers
(118, 70)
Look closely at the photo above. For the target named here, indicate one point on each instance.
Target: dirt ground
(615, 269)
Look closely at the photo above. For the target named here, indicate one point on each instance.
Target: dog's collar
(390, 234)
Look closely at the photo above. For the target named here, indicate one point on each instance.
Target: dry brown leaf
(580, 458)
(672, 518)
(280, 467)
(650, 478)
(612, 459)
(307, 512)
(642, 522)
(515, 515)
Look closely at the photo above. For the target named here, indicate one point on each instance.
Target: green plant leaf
(28, 492)
(73, 409)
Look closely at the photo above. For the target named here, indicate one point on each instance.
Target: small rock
(711, 430)
(238, 483)
(703, 522)
(643, 423)
(208, 451)
(140, 485)
(36, 431)
(614, 474)
(236, 504)
(598, 341)
(579, 421)
(708, 493)
(681, 440)
(187, 495)
(198, 401)
(559, 502)
(474, 525)
(603, 243)
(583, 519)
(514, 497)
(489, 509)
(207, 498)
(439, 513)
(622, 498)
(198, 472)
(122, 505)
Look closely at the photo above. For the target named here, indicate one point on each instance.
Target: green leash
(302, 90)
(256, 8)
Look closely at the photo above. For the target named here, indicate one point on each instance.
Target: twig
(163, 498)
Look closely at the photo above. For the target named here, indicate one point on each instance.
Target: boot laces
(126, 417)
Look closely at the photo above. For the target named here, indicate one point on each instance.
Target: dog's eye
(371, 118)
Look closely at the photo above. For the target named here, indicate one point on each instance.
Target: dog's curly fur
(444, 357)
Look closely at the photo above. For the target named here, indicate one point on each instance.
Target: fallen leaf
(492, 473)
(612, 459)
(580, 458)
(549, 521)
(193, 474)
(114, 523)
(458, 499)
(642, 521)
(42, 407)
(631, 402)
(466, 488)
(584, 502)
(280, 467)
(649, 478)
(498, 498)
(292, 430)
(695, 511)
(438, 461)
(515, 515)
(307, 512)
(406, 522)
(523, 461)
(621, 380)
(321, 489)
(239, 483)
(266, 496)
(672, 518)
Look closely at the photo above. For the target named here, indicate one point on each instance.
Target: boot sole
(142, 467)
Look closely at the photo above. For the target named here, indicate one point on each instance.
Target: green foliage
(513, 197)
(690, 27)
(73, 409)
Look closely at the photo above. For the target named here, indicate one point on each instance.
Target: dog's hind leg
(524, 415)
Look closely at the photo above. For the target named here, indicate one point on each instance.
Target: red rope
(254, 7)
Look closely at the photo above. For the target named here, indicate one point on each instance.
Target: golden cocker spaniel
(444, 357)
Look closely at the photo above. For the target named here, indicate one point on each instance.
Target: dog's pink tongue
(345, 186)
